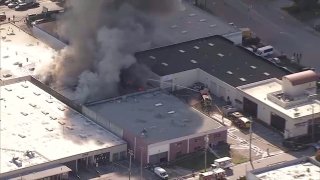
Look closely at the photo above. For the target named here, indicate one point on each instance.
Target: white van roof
(159, 169)
(244, 119)
(264, 48)
(223, 159)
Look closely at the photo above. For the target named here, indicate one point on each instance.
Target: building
(302, 168)
(290, 105)
(214, 61)
(158, 126)
(20, 53)
(186, 24)
(42, 136)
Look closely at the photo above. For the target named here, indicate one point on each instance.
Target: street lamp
(250, 140)
(206, 140)
(130, 151)
(141, 148)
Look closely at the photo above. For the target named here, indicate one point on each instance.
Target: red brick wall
(129, 137)
(214, 138)
(197, 142)
(180, 147)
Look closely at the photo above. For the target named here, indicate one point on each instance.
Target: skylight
(211, 44)
(253, 67)
(152, 57)
(183, 32)
(203, 20)
(213, 25)
(171, 112)
(196, 47)
(192, 14)
(229, 72)
(267, 74)
(174, 26)
(193, 61)
(164, 64)
(243, 79)
(219, 54)
(182, 51)
(158, 104)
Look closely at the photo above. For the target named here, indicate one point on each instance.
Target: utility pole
(141, 163)
(130, 154)
(312, 124)
(206, 141)
(250, 140)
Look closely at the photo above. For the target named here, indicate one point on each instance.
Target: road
(272, 25)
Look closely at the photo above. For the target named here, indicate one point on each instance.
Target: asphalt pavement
(273, 25)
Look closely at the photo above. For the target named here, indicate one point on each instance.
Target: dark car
(3, 17)
(294, 146)
(25, 6)
(2, 2)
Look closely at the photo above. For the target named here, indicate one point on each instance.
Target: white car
(161, 172)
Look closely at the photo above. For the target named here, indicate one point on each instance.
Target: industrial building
(301, 168)
(158, 126)
(241, 77)
(187, 23)
(291, 106)
(43, 137)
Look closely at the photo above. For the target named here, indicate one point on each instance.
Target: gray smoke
(103, 36)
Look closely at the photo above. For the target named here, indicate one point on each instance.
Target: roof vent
(24, 113)
(83, 136)
(243, 79)
(49, 101)
(44, 112)
(158, 104)
(193, 61)
(165, 64)
(8, 89)
(296, 114)
(49, 129)
(33, 105)
(30, 154)
(267, 74)
(152, 57)
(61, 122)
(253, 67)
(37, 94)
(53, 118)
(203, 20)
(24, 85)
(21, 135)
(174, 26)
(171, 112)
(219, 54)
(211, 44)
(17, 161)
(229, 72)
(69, 127)
(20, 97)
(61, 108)
(182, 51)
(196, 47)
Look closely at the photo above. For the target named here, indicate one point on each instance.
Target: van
(161, 173)
(223, 163)
(265, 51)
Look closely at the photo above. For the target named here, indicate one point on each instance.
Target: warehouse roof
(35, 123)
(159, 115)
(215, 55)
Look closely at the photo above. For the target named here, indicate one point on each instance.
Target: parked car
(294, 146)
(25, 6)
(13, 4)
(2, 2)
(3, 17)
(7, 75)
(161, 172)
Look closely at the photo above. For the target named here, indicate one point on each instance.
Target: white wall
(184, 79)
(47, 38)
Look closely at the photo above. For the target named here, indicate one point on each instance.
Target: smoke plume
(103, 35)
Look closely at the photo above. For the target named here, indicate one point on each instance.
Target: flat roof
(189, 23)
(162, 115)
(18, 47)
(260, 90)
(304, 170)
(33, 120)
(215, 55)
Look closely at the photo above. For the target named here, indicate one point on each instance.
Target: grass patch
(238, 158)
(303, 15)
(194, 161)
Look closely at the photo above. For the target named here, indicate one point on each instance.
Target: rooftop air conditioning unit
(17, 161)
(30, 154)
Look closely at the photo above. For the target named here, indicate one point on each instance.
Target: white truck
(161, 172)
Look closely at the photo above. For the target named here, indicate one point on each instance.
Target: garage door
(278, 122)
(158, 158)
(250, 108)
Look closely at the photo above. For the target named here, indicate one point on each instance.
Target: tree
(306, 4)
(317, 156)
